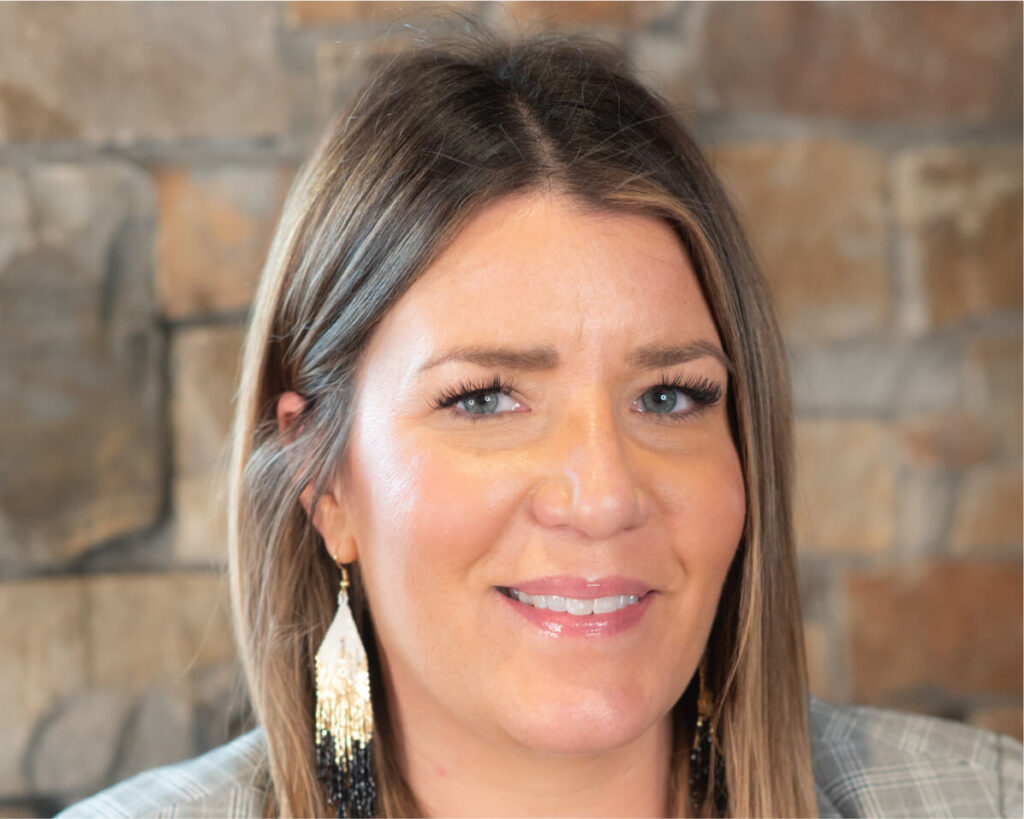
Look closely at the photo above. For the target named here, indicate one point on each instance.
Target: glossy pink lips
(562, 624)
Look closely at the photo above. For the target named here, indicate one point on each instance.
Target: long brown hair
(436, 134)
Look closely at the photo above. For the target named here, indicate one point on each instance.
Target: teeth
(580, 607)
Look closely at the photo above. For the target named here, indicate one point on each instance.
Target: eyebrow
(648, 357)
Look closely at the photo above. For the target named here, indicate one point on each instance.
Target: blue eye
(481, 400)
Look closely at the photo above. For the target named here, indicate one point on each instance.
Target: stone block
(584, 13)
(155, 629)
(875, 376)
(959, 210)
(815, 212)
(988, 511)
(205, 371)
(950, 628)
(301, 13)
(76, 746)
(845, 499)
(1003, 719)
(908, 62)
(215, 229)
(949, 440)
(816, 648)
(155, 71)
(45, 646)
(926, 499)
(15, 215)
(81, 356)
(158, 732)
(995, 386)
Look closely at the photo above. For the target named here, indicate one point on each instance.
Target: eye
(674, 399)
(677, 398)
(479, 400)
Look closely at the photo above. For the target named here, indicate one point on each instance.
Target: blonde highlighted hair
(436, 134)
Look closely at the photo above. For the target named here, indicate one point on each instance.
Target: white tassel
(344, 712)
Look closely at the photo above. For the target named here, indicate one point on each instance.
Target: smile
(576, 606)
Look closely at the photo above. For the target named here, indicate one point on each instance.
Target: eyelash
(703, 392)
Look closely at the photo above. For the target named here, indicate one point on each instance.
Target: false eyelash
(703, 391)
(467, 390)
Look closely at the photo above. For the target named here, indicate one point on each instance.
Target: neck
(455, 772)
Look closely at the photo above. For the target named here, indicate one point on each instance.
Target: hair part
(435, 135)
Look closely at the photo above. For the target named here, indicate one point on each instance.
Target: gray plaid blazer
(867, 762)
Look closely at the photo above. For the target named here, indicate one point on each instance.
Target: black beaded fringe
(354, 793)
(700, 774)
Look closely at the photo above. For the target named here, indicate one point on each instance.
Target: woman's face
(587, 480)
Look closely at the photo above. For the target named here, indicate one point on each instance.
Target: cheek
(707, 513)
(425, 517)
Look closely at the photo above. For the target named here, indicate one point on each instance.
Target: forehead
(540, 269)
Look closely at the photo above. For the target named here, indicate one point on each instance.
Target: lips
(593, 622)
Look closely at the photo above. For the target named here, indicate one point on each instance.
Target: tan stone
(204, 365)
(816, 648)
(1003, 719)
(815, 213)
(300, 13)
(950, 627)
(995, 386)
(46, 658)
(80, 358)
(149, 630)
(989, 509)
(215, 229)
(123, 72)
(845, 496)
(559, 14)
(954, 439)
(911, 62)
(960, 209)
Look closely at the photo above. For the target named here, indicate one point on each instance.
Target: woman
(510, 508)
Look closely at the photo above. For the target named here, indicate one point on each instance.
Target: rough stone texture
(1003, 719)
(87, 649)
(116, 72)
(166, 625)
(952, 440)
(906, 62)
(583, 13)
(845, 499)
(215, 230)
(159, 731)
(988, 511)
(80, 363)
(815, 214)
(299, 13)
(44, 641)
(995, 385)
(204, 364)
(960, 210)
(880, 377)
(958, 626)
(76, 746)
(926, 499)
(816, 647)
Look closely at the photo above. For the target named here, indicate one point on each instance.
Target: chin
(587, 724)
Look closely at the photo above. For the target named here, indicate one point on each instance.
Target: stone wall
(873, 151)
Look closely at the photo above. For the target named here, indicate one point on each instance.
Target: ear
(331, 518)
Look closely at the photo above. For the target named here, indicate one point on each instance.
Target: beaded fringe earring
(705, 745)
(344, 714)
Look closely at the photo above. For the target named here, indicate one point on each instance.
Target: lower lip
(560, 624)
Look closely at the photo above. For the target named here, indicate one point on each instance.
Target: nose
(589, 485)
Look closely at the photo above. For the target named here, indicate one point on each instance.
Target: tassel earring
(344, 714)
(705, 746)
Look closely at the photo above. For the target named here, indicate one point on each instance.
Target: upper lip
(580, 587)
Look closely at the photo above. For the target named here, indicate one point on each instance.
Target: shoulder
(876, 762)
(228, 781)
